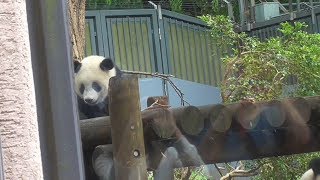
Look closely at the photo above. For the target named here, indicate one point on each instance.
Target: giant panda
(91, 82)
(91, 79)
(314, 172)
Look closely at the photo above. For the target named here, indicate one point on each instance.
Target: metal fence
(155, 40)
(268, 29)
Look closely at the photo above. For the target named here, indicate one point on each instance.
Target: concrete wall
(18, 117)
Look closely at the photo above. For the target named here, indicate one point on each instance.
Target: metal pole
(230, 9)
(252, 10)
(313, 18)
(241, 10)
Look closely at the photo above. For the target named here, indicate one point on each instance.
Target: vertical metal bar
(173, 65)
(131, 45)
(167, 35)
(124, 42)
(203, 76)
(267, 32)
(59, 131)
(106, 35)
(191, 52)
(219, 72)
(138, 52)
(291, 10)
(115, 21)
(230, 9)
(93, 37)
(208, 59)
(197, 54)
(163, 42)
(99, 36)
(272, 31)
(214, 59)
(144, 52)
(183, 53)
(298, 6)
(155, 41)
(241, 10)
(186, 51)
(313, 18)
(154, 58)
(290, 6)
(176, 37)
(252, 10)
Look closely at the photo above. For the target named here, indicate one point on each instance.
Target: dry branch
(242, 173)
(165, 77)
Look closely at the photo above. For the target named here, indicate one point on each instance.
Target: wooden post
(127, 129)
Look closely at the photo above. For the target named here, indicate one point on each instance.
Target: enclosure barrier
(220, 132)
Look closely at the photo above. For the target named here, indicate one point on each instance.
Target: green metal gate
(155, 40)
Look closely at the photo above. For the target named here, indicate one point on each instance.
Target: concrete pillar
(18, 116)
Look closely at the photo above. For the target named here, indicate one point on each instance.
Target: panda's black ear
(76, 65)
(106, 64)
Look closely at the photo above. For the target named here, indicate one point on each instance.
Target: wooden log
(248, 115)
(189, 119)
(127, 128)
(298, 111)
(219, 115)
(95, 131)
(274, 113)
(282, 138)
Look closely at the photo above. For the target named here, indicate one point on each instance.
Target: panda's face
(92, 77)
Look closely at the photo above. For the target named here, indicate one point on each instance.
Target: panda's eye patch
(81, 89)
(96, 86)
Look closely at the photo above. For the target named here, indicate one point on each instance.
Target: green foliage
(176, 5)
(285, 167)
(260, 70)
(111, 4)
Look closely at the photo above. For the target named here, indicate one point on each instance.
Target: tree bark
(77, 27)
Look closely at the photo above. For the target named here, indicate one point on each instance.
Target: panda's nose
(89, 100)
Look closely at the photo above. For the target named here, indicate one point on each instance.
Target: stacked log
(228, 132)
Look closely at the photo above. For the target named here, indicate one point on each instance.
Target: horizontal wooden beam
(228, 132)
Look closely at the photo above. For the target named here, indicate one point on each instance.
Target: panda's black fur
(93, 68)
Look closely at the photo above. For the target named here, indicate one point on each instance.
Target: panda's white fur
(309, 175)
(90, 72)
(314, 172)
(92, 76)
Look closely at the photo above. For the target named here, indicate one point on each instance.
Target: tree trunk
(77, 27)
